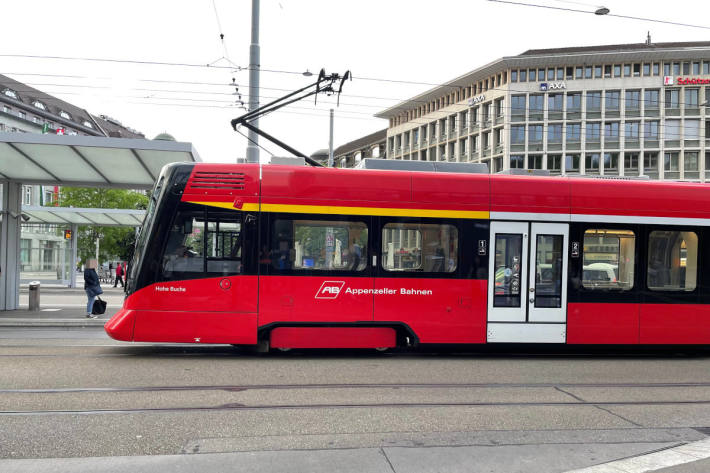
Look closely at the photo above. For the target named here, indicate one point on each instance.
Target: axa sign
(330, 289)
(545, 86)
(476, 99)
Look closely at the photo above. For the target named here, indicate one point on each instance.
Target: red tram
(301, 257)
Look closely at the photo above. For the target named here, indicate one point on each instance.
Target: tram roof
(88, 161)
(82, 216)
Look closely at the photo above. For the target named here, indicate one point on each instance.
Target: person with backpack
(119, 275)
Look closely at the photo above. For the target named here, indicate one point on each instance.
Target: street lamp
(308, 73)
(601, 11)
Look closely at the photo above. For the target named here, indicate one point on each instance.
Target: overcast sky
(420, 41)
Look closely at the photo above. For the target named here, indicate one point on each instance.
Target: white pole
(330, 147)
(254, 53)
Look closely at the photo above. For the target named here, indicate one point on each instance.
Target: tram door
(527, 286)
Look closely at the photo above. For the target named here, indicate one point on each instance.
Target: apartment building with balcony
(610, 110)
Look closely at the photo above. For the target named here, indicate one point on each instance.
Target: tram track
(419, 405)
(246, 387)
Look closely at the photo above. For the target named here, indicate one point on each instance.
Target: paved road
(105, 405)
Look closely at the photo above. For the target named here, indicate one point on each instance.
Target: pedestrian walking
(92, 287)
(119, 275)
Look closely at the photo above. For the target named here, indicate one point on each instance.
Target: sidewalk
(61, 307)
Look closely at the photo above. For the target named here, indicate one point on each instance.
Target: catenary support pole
(330, 145)
(10, 246)
(254, 60)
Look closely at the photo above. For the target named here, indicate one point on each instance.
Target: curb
(49, 323)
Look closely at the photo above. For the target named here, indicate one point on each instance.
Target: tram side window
(672, 261)
(203, 243)
(224, 244)
(609, 257)
(183, 257)
(319, 245)
(420, 247)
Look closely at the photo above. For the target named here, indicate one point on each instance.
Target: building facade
(617, 110)
(369, 146)
(44, 250)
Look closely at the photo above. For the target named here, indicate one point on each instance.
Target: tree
(114, 242)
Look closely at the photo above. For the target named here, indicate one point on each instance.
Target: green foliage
(115, 243)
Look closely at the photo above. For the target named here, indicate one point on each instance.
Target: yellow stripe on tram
(340, 210)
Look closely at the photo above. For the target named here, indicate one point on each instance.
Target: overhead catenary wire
(593, 12)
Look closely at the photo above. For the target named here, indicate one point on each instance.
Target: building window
(578, 72)
(10, 93)
(551, 74)
(666, 69)
(87, 124)
(560, 73)
(594, 101)
(537, 104)
(593, 131)
(671, 168)
(647, 69)
(39, 105)
(572, 163)
(627, 70)
(633, 100)
(631, 162)
(650, 164)
(26, 195)
(555, 103)
(612, 100)
(691, 129)
(611, 163)
(574, 132)
(592, 163)
(617, 70)
(650, 130)
(607, 71)
(650, 98)
(611, 131)
(672, 98)
(690, 165)
(554, 163)
(514, 76)
(518, 105)
(597, 72)
(691, 98)
(535, 161)
(672, 130)
(676, 68)
(672, 261)
(631, 131)
(517, 161)
(569, 73)
(22, 115)
(523, 75)
(696, 68)
(574, 102)
(554, 133)
(637, 70)
(588, 72)
(535, 134)
(656, 69)
(686, 68)
(416, 247)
